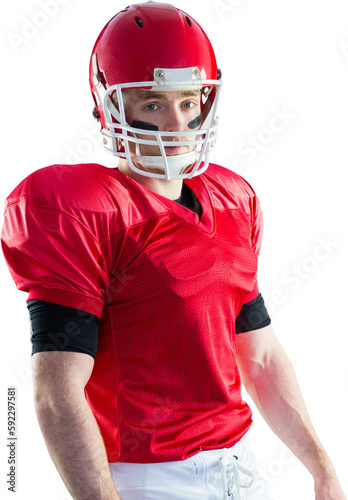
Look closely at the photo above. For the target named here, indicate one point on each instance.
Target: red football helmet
(154, 46)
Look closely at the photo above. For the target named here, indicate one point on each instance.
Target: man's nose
(175, 121)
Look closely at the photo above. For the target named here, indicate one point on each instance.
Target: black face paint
(196, 122)
(144, 125)
(149, 126)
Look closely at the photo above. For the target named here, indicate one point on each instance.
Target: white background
(276, 57)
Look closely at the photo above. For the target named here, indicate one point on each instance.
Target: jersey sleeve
(257, 225)
(256, 222)
(53, 256)
(253, 316)
(59, 328)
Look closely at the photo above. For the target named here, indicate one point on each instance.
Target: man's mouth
(175, 150)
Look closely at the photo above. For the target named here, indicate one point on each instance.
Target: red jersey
(167, 287)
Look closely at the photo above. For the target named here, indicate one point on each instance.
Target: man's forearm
(274, 388)
(77, 449)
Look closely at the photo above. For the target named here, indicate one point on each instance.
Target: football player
(144, 305)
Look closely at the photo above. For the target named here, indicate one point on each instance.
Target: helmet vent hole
(188, 21)
(139, 22)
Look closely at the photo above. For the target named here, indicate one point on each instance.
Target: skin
(270, 380)
(59, 378)
(68, 425)
(169, 111)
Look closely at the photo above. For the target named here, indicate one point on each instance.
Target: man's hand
(270, 380)
(328, 489)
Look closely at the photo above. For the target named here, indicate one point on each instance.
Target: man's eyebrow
(143, 95)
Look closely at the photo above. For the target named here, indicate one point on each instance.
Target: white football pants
(225, 474)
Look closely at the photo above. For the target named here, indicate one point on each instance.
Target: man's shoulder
(223, 175)
(228, 185)
(89, 192)
(61, 185)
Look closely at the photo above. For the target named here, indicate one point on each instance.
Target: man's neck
(169, 189)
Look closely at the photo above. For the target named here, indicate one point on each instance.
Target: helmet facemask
(122, 139)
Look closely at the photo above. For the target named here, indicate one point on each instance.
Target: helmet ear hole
(96, 114)
(139, 22)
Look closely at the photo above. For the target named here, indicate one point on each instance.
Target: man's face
(165, 111)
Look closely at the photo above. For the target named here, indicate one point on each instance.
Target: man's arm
(270, 380)
(68, 425)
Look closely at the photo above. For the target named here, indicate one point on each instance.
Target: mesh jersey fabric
(167, 288)
(60, 328)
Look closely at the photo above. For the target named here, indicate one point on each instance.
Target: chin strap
(177, 164)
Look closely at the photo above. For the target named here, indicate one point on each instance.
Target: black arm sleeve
(59, 328)
(252, 316)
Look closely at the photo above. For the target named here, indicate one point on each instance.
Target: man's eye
(189, 104)
(151, 107)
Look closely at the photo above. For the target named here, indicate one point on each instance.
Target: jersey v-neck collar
(198, 185)
(200, 189)
(189, 199)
